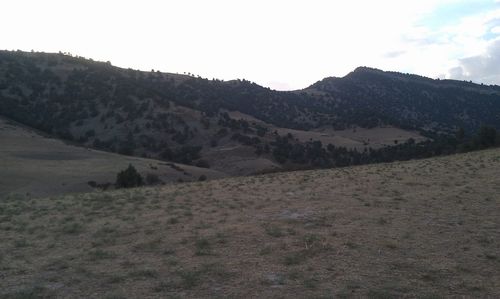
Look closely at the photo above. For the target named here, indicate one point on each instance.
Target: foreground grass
(427, 228)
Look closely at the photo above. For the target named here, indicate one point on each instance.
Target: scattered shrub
(128, 178)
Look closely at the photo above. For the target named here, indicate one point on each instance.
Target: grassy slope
(31, 163)
(428, 228)
(354, 138)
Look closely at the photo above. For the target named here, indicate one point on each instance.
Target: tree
(460, 135)
(487, 136)
(128, 178)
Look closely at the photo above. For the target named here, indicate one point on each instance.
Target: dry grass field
(427, 228)
(354, 138)
(36, 166)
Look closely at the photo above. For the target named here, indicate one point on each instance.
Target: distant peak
(364, 69)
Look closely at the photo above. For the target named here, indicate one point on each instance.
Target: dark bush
(128, 178)
(92, 184)
(202, 164)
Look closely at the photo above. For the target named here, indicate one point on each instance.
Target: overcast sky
(280, 44)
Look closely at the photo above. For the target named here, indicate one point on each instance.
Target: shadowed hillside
(412, 101)
(191, 120)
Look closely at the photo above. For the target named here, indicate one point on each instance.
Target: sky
(281, 44)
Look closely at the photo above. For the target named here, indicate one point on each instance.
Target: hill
(238, 127)
(424, 228)
(412, 101)
(34, 165)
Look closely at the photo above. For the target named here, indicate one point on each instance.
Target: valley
(33, 165)
(250, 149)
(378, 185)
(238, 127)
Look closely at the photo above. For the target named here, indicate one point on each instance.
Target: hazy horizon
(284, 45)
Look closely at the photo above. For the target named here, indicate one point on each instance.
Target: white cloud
(483, 68)
(444, 52)
(480, 58)
(495, 30)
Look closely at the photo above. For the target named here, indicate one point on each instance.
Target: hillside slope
(412, 101)
(424, 228)
(34, 165)
(188, 119)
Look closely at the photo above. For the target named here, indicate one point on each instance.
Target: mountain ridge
(187, 119)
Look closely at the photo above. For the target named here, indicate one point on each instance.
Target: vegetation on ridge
(182, 118)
